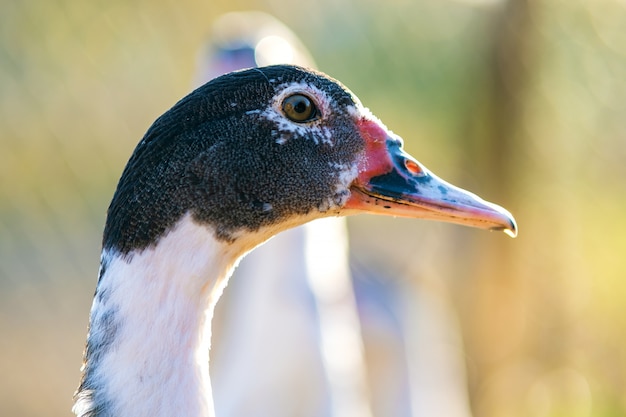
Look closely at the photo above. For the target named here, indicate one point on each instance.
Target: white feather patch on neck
(161, 300)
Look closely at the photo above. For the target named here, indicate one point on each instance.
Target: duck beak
(392, 182)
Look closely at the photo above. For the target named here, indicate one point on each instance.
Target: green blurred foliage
(521, 101)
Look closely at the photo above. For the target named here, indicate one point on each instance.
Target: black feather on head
(229, 157)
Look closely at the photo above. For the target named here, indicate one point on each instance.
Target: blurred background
(521, 101)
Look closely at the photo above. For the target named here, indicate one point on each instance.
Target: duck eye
(299, 108)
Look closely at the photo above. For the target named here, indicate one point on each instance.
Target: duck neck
(149, 337)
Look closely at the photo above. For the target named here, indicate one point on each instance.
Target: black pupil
(301, 105)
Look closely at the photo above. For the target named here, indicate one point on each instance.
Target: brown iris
(299, 108)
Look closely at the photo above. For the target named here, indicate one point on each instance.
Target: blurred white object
(250, 39)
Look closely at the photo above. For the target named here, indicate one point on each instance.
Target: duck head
(261, 150)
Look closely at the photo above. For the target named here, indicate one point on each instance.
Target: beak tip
(511, 232)
(510, 229)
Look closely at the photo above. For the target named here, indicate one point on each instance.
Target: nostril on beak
(413, 167)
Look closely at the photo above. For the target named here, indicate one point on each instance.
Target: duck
(240, 159)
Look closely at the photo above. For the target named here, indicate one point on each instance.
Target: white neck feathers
(148, 345)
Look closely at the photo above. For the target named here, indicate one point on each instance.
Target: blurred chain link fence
(521, 99)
